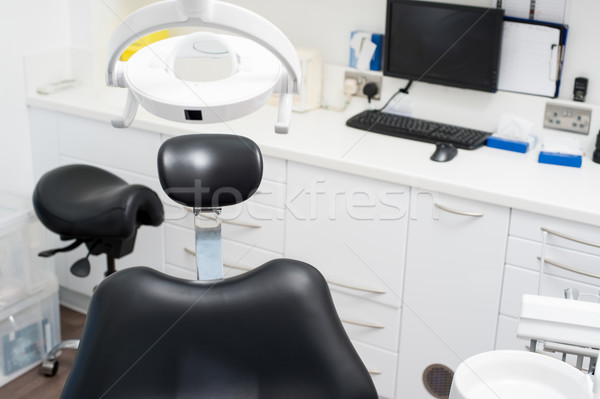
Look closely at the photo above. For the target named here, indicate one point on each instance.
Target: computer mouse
(444, 152)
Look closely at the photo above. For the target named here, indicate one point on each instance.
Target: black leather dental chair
(271, 333)
(94, 207)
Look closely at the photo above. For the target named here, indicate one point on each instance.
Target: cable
(401, 90)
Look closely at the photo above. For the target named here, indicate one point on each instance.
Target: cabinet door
(454, 264)
(351, 228)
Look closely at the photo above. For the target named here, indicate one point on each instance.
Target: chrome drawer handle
(566, 237)
(362, 324)
(374, 372)
(354, 287)
(244, 268)
(231, 222)
(568, 268)
(462, 213)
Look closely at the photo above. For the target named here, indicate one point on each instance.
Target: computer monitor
(447, 44)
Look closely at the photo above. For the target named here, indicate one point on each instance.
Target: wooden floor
(34, 385)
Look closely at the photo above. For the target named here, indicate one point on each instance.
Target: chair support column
(209, 255)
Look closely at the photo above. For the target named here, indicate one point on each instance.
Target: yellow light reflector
(143, 42)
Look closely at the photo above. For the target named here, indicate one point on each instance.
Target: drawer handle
(362, 324)
(566, 237)
(374, 372)
(462, 213)
(231, 222)
(354, 287)
(568, 268)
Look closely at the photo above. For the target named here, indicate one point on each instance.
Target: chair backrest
(272, 333)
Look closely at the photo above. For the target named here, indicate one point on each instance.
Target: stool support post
(110, 266)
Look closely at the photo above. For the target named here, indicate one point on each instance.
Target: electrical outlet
(569, 119)
(362, 79)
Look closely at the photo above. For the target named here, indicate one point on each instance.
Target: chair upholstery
(89, 203)
(271, 333)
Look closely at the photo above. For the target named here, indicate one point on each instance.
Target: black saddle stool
(94, 207)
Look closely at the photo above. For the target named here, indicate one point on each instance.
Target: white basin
(511, 374)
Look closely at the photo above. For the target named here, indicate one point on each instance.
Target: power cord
(404, 90)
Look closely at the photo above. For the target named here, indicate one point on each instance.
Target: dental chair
(94, 207)
(271, 333)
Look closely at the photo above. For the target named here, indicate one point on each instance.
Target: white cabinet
(571, 254)
(454, 265)
(353, 230)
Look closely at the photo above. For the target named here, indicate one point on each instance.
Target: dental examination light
(263, 61)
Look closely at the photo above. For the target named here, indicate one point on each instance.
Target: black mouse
(444, 152)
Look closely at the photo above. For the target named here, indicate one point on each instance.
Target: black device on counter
(447, 44)
(596, 156)
(580, 89)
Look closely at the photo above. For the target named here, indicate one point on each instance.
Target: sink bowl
(509, 374)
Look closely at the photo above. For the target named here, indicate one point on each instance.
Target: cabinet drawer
(270, 193)
(368, 321)
(527, 254)
(274, 169)
(518, 281)
(180, 247)
(382, 367)
(254, 224)
(93, 141)
(528, 225)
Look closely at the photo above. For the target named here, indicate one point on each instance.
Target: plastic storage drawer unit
(29, 315)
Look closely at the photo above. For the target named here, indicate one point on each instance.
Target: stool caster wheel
(49, 367)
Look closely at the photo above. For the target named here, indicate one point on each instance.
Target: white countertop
(321, 138)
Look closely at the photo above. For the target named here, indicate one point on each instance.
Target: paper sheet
(544, 10)
(529, 58)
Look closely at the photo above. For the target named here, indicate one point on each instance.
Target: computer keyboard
(418, 129)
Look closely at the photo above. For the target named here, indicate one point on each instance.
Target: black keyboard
(418, 129)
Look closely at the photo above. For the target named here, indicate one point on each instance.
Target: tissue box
(557, 158)
(506, 144)
(365, 50)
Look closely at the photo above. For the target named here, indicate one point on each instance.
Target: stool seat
(82, 201)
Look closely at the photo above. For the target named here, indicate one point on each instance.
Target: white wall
(25, 27)
(326, 24)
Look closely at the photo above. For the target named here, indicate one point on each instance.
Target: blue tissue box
(506, 144)
(358, 40)
(557, 158)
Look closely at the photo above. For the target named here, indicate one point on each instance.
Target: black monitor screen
(447, 44)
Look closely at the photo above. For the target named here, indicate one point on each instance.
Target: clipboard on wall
(531, 57)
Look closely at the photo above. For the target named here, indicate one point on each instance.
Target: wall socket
(567, 118)
(362, 79)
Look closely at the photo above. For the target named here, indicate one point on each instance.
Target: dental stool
(93, 207)
(270, 333)
(559, 325)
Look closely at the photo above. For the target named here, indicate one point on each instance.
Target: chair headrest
(209, 170)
